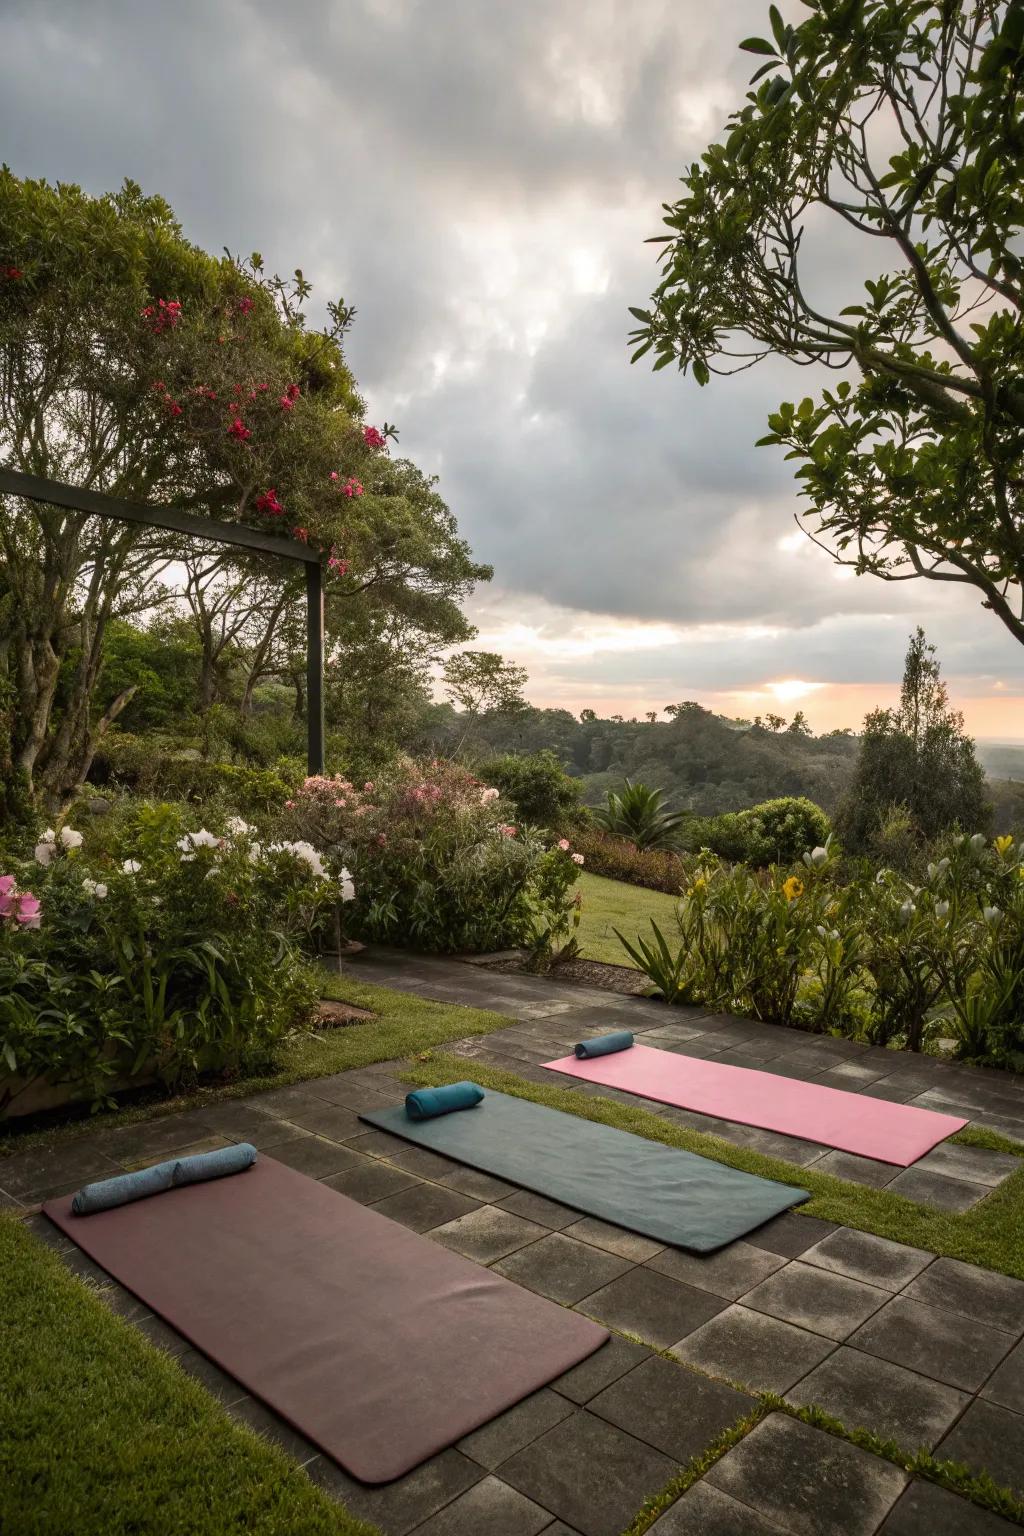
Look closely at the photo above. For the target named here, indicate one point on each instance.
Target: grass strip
(404, 1025)
(991, 1234)
(102, 1434)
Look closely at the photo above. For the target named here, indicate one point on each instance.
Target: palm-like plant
(636, 813)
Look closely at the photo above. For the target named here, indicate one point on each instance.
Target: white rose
(131, 866)
(43, 853)
(70, 838)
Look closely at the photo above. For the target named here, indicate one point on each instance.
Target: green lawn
(991, 1234)
(611, 904)
(101, 1434)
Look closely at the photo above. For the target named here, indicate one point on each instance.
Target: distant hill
(705, 762)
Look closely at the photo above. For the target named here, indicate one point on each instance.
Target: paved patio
(926, 1351)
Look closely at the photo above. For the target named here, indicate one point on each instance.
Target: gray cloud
(479, 180)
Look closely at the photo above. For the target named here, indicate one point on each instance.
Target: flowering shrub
(876, 957)
(436, 864)
(172, 952)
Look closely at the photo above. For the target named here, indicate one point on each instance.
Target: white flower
(816, 858)
(255, 852)
(488, 796)
(993, 916)
(43, 853)
(204, 839)
(70, 838)
(563, 843)
(348, 889)
(577, 858)
(49, 835)
(94, 888)
(907, 911)
(307, 853)
(237, 827)
(941, 910)
(131, 866)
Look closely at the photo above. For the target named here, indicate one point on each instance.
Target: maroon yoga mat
(379, 1345)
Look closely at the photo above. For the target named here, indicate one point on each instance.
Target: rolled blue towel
(214, 1165)
(425, 1103)
(604, 1045)
(123, 1188)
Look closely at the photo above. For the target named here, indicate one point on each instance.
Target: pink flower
(262, 387)
(13, 273)
(8, 895)
(285, 403)
(269, 504)
(246, 305)
(334, 474)
(289, 805)
(352, 487)
(563, 843)
(368, 787)
(240, 430)
(507, 831)
(293, 391)
(301, 534)
(373, 438)
(29, 910)
(577, 858)
(340, 566)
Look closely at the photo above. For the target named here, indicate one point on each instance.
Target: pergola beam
(98, 504)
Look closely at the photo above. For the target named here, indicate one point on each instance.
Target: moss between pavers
(101, 1434)
(991, 1234)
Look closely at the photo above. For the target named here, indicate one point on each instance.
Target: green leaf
(701, 372)
(778, 25)
(757, 45)
(663, 361)
(640, 314)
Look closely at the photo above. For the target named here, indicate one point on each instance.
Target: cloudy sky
(478, 178)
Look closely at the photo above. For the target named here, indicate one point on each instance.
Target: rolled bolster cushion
(604, 1045)
(214, 1165)
(123, 1189)
(426, 1103)
(126, 1187)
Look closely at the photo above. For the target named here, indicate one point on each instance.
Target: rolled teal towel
(604, 1045)
(214, 1165)
(126, 1187)
(425, 1103)
(123, 1188)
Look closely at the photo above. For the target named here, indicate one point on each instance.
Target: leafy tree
(916, 759)
(900, 124)
(635, 812)
(133, 363)
(538, 786)
(482, 680)
(161, 663)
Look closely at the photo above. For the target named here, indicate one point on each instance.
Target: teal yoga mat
(662, 1192)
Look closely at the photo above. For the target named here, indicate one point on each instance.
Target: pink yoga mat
(853, 1122)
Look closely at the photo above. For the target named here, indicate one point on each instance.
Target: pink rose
(563, 843)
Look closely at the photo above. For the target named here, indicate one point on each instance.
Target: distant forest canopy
(705, 762)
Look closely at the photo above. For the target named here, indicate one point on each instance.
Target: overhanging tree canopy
(902, 123)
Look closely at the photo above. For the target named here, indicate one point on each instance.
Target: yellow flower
(700, 884)
(1003, 844)
(792, 888)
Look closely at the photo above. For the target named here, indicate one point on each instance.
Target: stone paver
(753, 1349)
(562, 1268)
(927, 1510)
(807, 1482)
(1006, 1385)
(516, 1428)
(626, 1245)
(934, 1342)
(399, 1507)
(425, 1206)
(865, 1393)
(675, 1411)
(595, 1373)
(980, 1294)
(730, 1272)
(618, 1470)
(991, 1437)
(935, 1189)
(705, 1510)
(652, 1307)
(487, 1234)
(816, 1299)
(490, 1506)
(862, 1256)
